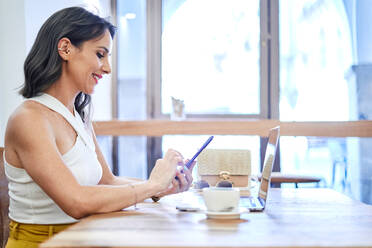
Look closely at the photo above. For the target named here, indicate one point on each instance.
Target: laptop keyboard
(251, 203)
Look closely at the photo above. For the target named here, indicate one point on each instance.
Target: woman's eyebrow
(104, 48)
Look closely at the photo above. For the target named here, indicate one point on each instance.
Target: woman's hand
(185, 176)
(181, 182)
(165, 169)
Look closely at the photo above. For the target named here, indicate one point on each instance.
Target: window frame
(269, 63)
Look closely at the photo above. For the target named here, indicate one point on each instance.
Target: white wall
(12, 56)
(20, 20)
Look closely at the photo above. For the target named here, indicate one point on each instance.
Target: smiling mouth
(96, 77)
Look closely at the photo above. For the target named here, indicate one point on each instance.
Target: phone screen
(188, 164)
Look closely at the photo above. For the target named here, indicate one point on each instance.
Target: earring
(61, 49)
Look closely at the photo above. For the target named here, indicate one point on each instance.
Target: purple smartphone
(188, 164)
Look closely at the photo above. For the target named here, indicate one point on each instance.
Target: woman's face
(87, 64)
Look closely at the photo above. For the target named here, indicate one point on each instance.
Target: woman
(56, 171)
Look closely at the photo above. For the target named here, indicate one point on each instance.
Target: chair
(4, 203)
(338, 152)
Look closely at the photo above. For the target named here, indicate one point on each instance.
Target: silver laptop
(252, 203)
(258, 203)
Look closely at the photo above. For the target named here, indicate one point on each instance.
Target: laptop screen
(269, 162)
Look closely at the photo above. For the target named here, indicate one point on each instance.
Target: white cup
(219, 199)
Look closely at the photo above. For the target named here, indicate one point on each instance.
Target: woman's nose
(106, 67)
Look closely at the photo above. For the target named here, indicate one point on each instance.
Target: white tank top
(28, 202)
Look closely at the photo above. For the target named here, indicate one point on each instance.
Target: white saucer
(225, 215)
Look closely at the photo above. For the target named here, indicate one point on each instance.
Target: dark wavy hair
(43, 65)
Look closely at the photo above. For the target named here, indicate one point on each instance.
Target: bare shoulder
(29, 113)
(29, 120)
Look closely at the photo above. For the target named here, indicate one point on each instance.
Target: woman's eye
(100, 56)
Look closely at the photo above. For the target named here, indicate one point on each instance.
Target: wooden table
(293, 218)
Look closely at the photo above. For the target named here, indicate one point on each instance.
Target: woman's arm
(107, 177)
(35, 143)
(183, 182)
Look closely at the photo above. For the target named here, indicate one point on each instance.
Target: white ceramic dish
(226, 215)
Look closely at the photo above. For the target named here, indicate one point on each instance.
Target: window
(191, 58)
(315, 56)
(131, 86)
(207, 47)
(223, 59)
